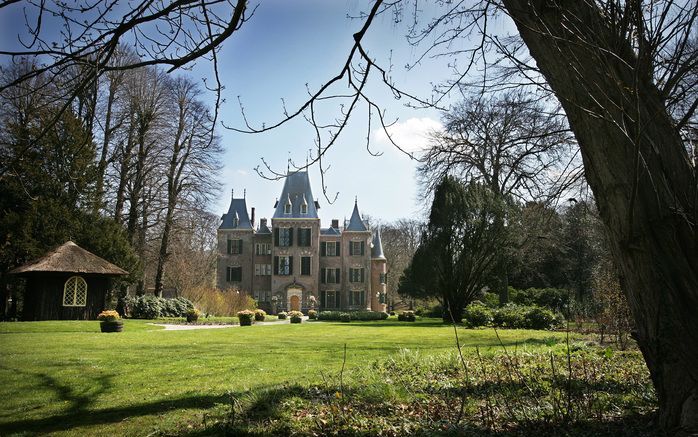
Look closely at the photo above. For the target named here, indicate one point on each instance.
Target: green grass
(68, 378)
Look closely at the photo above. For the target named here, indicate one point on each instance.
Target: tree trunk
(643, 182)
(102, 165)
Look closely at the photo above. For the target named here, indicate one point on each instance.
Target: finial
(244, 193)
(356, 200)
(232, 193)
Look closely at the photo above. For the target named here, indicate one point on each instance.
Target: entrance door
(295, 303)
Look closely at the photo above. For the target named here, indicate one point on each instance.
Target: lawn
(68, 378)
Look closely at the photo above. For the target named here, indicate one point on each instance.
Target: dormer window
(304, 209)
(236, 222)
(287, 205)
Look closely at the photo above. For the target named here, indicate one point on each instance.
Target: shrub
(510, 316)
(384, 315)
(108, 316)
(492, 299)
(282, 315)
(477, 314)
(392, 313)
(295, 316)
(540, 318)
(345, 317)
(312, 314)
(245, 317)
(213, 301)
(193, 315)
(407, 316)
(259, 315)
(176, 307)
(146, 307)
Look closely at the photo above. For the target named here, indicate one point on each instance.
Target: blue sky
(286, 45)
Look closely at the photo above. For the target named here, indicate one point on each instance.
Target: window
(234, 247)
(262, 269)
(263, 249)
(305, 265)
(383, 279)
(329, 248)
(287, 208)
(304, 209)
(356, 248)
(356, 298)
(75, 292)
(329, 299)
(356, 275)
(234, 274)
(283, 237)
(330, 276)
(304, 237)
(283, 265)
(262, 296)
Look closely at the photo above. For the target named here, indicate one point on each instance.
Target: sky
(284, 48)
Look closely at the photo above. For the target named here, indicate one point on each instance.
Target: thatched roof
(70, 258)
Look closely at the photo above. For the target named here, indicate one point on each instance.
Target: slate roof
(297, 191)
(377, 246)
(238, 208)
(331, 232)
(263, 228)
(70, 258)
(355, 222)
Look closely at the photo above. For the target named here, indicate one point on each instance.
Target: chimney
(252, 219)
(335, 223)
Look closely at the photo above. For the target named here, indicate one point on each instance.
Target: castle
(293, 263)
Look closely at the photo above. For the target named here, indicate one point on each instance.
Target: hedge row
(152, 307)
(511, 316)
(355, 315)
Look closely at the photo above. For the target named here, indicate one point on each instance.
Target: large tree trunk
(643, 182)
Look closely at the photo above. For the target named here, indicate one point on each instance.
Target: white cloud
(412, 135)
(241, 172)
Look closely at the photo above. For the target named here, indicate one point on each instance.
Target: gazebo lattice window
(75, 292)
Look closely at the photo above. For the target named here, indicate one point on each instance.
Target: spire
(355, 222)
(377, 249)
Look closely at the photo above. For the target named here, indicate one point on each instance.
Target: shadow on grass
(78, 412)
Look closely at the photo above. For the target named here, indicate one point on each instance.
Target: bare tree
(508, 141)
(193, 161)
(400, 241)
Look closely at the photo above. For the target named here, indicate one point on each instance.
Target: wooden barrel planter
(112, 326)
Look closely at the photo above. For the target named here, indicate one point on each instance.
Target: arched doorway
(295, 303)
(294, 296)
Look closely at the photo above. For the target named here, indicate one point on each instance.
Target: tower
(379, 274)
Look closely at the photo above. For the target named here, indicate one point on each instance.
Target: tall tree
(459, 249)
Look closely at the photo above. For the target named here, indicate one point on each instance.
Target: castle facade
(293, 263)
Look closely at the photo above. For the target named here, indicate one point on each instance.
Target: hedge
(355, 315)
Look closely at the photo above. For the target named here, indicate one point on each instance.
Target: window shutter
(363, 244)
(362, 275)
(230, 247)
(337, 276)
(338, 248)
(351, 297)
(276, 265)
(322, 276)
(240, 247)
(363, 299)
(323, 249)
(276, 237)
(351, 249)
(290, 265)
(290, 236)
(323, 299)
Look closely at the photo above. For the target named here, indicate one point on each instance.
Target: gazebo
(68, 283)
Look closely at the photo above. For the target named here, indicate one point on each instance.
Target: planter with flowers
(312, 314)
(110, 321)
(295, 316)
(259, 315)
(193, 315)
(282, 315)
(246, 317)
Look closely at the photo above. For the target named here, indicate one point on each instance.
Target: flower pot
(296, 319)
(192, 319)
(245, 322)
(112, 326)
